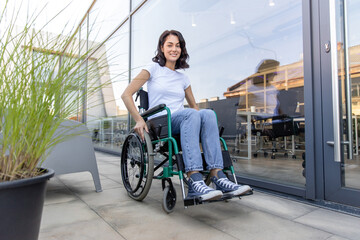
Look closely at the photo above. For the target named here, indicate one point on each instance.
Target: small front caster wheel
(169, 199)
(293, 156)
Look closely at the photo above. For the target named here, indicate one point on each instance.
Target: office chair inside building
(275, 128)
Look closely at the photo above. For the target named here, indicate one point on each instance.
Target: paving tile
(114, 161)
(115, 177)
(334, 237)
(276, 205)
(111, 160)
(337, 223)
(86, 230)
(105, 155)
(103, 166)
(105, 169)
(76, 177)
(146, 220)
(106, 197)
(128, 209)
(212, 213)
(54, 184)
(73, 210)
(88, 186)
(55, 215)
(156, 191)
(59, 196)
(260, 225)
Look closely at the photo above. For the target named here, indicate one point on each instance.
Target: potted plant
(44, 78)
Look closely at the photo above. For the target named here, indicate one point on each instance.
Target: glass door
(341, 99)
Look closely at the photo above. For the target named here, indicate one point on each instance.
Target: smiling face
(171, 49)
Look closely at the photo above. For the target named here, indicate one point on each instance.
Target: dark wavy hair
(181, 63)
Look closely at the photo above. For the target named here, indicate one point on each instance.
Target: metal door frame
(330, 186)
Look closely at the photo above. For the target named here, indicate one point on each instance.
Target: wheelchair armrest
(153, 110)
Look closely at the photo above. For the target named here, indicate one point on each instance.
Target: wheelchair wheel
(169, 199)
(137, 166)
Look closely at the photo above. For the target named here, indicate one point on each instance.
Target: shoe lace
(201, 187)
(226, 183)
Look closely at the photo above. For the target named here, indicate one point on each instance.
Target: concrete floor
(73, 210)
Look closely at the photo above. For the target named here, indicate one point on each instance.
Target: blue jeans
(192, 125)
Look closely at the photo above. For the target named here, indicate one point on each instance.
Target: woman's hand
(139, 128)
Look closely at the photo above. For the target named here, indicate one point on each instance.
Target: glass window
(351, 166)
(60, 17)
(105, 16)
(48, 66)
(246, 58)
(107, 114)
(135, 3)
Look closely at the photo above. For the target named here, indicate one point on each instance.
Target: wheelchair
(138, 164)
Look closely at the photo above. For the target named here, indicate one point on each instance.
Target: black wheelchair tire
(140, 191)
(169, 199)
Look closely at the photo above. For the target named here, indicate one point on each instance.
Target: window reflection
(351, 167)
(107, 115)
(227, 41)
(104, 17)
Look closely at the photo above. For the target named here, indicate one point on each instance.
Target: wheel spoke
(136, 165)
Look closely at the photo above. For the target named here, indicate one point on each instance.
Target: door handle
(332, 48)
(348, 84)
(335, 82)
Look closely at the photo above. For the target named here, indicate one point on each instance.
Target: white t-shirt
(166, 86)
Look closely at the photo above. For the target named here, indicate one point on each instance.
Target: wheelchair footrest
(198, 201)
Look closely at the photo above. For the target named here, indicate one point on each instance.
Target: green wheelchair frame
(137, 160)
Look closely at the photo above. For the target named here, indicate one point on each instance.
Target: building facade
(294, 59)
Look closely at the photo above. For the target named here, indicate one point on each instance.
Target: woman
(168, 86)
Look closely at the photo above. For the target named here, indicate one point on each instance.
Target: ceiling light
(271, 3)
(232, 19)
(193, 21)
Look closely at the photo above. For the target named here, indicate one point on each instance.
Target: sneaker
(198, 189)
(228, 187)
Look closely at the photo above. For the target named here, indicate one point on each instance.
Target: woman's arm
(190, 98)
(132, 88)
